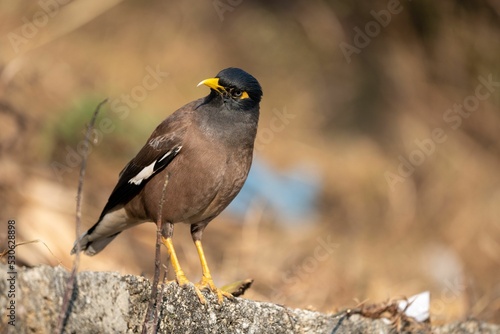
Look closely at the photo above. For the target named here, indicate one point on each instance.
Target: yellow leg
(206, 280)
(179, 273)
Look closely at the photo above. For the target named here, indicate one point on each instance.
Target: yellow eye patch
(244, 95)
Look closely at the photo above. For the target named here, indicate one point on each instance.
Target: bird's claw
(184, 282)
(207, 283)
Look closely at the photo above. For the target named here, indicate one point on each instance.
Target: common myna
(204, 150)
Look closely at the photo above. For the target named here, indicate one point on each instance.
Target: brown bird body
(204, 160)
(204, 150)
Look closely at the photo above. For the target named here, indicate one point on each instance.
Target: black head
(239, 81)
(236, 87)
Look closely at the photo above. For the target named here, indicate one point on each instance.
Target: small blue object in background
(290, 196)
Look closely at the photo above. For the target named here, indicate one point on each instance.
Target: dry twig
(65, 310)
(151, 319)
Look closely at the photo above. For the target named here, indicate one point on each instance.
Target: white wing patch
(144, 174)
(149, 170)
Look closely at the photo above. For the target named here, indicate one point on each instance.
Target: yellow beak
(212, 83)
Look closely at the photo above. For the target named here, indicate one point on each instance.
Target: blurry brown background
(361, 103)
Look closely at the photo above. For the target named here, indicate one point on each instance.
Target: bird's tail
(92, 247)
(104, 231)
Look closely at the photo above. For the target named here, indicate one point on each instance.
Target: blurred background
(377, 159)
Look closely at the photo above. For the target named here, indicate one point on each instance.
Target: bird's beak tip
(212, 83)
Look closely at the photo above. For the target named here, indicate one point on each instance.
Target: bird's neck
(229, 126)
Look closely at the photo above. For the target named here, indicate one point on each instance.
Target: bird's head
(236, 87)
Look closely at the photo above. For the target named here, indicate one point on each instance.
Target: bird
(195, 162)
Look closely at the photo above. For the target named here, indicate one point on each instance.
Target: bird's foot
(184, 282)
(207, 283)
(181, 279)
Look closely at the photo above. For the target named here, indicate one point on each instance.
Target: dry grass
(438, 230)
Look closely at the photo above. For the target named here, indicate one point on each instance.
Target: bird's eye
(237, 93)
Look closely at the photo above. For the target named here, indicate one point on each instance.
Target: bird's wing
(161, 148)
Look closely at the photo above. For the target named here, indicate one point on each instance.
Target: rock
(105, 302)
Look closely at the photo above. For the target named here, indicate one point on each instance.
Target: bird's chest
(228, 183)
(224, 169)
(206, 180)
